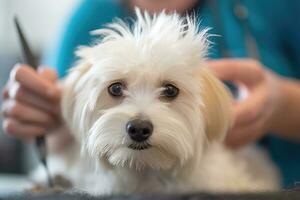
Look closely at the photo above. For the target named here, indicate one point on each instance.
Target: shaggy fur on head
(185, 151)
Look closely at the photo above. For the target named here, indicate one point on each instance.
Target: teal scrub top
(274, 25)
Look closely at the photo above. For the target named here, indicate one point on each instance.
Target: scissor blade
(27, 53)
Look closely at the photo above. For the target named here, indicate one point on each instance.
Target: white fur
(187, 153)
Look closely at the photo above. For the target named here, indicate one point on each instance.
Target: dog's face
(142, 98)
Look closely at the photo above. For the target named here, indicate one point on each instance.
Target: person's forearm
(286, 120)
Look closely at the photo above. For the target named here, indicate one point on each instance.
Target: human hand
(253, 114)
(31, 102)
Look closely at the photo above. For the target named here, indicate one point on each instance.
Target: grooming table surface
(13, 183)
(12, 187)
(289, 195)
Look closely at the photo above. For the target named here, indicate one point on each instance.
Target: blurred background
(41, 22)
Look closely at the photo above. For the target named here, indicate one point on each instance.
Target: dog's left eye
(170, 91)
(116, 89)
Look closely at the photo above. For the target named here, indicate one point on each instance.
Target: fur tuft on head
(154, 32)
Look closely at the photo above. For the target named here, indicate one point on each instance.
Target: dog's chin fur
(184, 152)
(172, 142)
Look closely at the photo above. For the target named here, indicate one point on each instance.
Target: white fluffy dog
(149, 117)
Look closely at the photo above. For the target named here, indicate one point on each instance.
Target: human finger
(29, 79)
(21, 130)
(27, 97)
(241, 136)
(24, 113)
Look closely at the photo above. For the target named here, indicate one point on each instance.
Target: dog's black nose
(139, 130)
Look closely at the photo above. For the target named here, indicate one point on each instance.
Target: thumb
(245, 71)
(48, 73)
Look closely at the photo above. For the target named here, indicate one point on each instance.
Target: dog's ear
(70, 82)
(69, 85)
(217, 104)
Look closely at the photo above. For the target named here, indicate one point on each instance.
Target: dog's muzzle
(139, 130)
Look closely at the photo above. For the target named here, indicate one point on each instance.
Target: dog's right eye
(116, 89)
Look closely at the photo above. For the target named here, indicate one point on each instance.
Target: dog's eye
(170, 91)
(116, 89)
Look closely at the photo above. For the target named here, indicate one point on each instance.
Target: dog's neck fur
(147, 180)
(200, 173)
